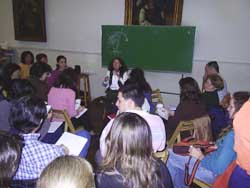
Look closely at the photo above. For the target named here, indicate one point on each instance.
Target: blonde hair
(67, 172)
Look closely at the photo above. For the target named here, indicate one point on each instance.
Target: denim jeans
(176, 167)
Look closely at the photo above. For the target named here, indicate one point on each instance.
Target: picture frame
(29, 20)
(153, 12)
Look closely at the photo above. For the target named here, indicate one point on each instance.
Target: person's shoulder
(109, 179)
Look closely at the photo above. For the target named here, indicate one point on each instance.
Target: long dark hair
(123, 67)
(240, 98)
(190, 90)
(130, 153)
(136, 77)
(25, 54)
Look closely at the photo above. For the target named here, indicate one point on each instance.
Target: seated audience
(241, 175)
(115, 78)
(129, 160)
(27, 59)
(212, 84)
(20, 88)
(41, 58)
(137, 78)
(212, 67)
(214, 163)
(10, 153)
(190, 106)
(62, 97)
(67, 172)
(27, 115)
(39, 74)
(130, 99)
(60, 66)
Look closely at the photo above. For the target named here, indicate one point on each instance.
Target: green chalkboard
(157, 48)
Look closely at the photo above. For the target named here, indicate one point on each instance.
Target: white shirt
(156, 126)
(114, 83)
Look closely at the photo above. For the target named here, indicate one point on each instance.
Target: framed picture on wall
(29, 20)
(153, 12)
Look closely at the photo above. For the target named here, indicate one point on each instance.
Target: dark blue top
(114, 179)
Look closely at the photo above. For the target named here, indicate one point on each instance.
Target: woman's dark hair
(123, 67)
(214, 65)
(10, 154)
(189, 89)
(38, 69)
(25, 54)
(40, 56)
(58, 58)
(136, 77)
(67, 79)
(27, 113)
(240, 98)
(129, 151)
(20, 88)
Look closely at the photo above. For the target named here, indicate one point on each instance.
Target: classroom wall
(74, 29)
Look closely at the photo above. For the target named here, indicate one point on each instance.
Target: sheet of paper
(73, 142)
(81, 113)
(54, 125)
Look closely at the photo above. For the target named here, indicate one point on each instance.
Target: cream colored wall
(74, 30)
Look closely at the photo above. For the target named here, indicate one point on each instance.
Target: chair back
(162, 155)
(199, 128)
(62, 114)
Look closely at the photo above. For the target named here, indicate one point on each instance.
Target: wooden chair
(190, 126)
(62, 114)
(199, 128)
(156, 96)
(86, 88)
(163, 155)
(201, 183)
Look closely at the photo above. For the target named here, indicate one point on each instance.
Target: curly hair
(190, 90)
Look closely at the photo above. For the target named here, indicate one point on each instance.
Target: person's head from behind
(136, 76)
(20, 88)
(212, 67)
(130, 97)
(27, 57)
(27, 114)
(213, 82)
(189, 90)
(10, 152)
(40, 71)
(129, 149)
(67, 172)
(117, 64)
(236, 102)
(61, 62)
(41, 58)
(12, 71)
(67, 79)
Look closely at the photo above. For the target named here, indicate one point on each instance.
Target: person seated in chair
(27, 115)
(10, 153)
(129, 160)
(130, 99)
(214, 163)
